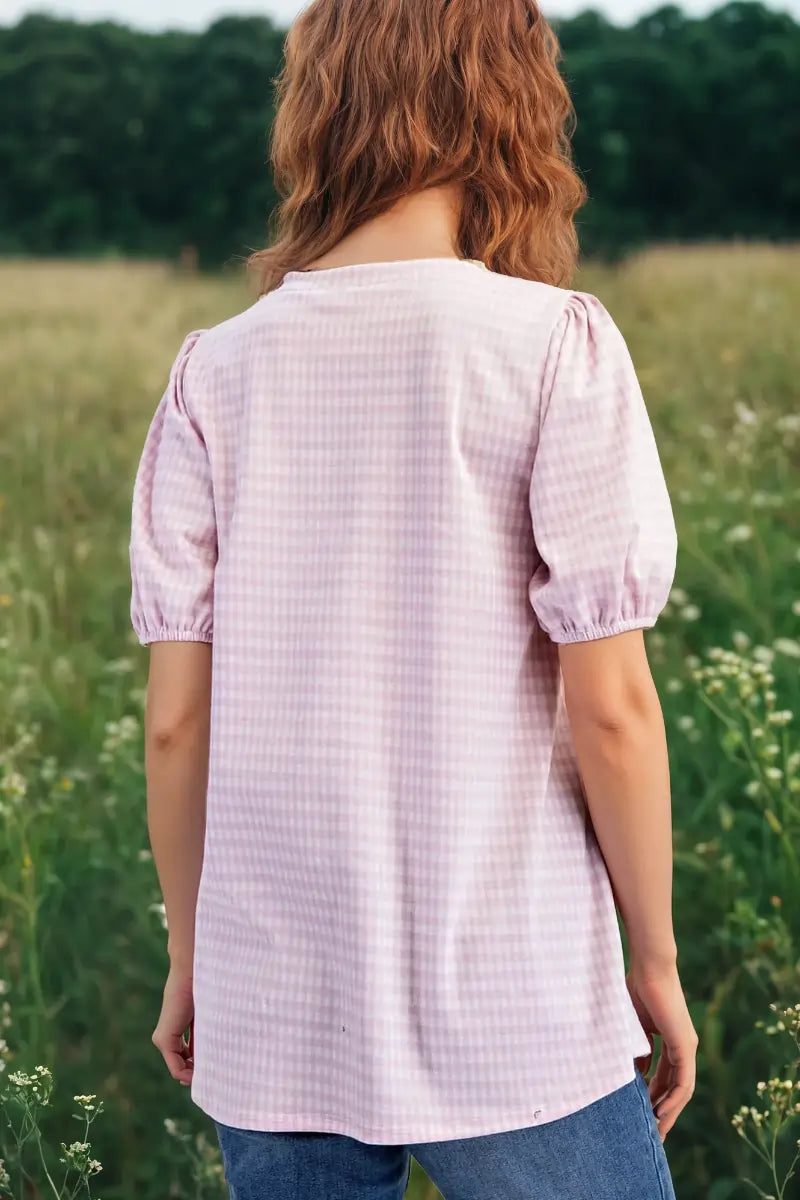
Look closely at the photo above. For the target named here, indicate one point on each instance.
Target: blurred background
(133, 183)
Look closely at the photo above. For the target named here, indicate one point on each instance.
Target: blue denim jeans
(609, 1150)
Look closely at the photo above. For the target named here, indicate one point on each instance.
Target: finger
(671, 1109)
(174, 1051)
(668, 1110)
(661, 1080)
(177, 1066)
(677, 1097)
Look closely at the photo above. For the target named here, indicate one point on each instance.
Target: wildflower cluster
(119, 735)
(160, 911)
(19, 762)
(680, 604)
(738, 685)
(5, 1013)
(788, 424)
(787, 1022)
(32, 1091)
(77, 1156)
(13, 784)
(25, 738)
(778, 1106)
(119, 666)
(88, 1107)
(745, 433)
(783, 1097)
(206, 1163)
(26, 1094)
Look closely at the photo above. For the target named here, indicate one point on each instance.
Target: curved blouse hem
(591, 632)
(279, 1122)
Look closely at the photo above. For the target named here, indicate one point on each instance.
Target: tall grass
(84, 353)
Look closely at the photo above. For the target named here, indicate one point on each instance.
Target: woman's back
(387, 491)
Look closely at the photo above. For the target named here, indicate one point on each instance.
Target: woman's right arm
(603, 526)
(620, 743)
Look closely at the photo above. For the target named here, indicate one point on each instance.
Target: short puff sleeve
(602, 519)
(173, 542)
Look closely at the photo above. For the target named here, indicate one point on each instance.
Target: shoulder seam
(545, 400)
(198, 369)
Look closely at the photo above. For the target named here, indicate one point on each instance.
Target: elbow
(178, 704)
(164, 738)
(615, 724)
(168, 731)
(636, 706)
(608, 685)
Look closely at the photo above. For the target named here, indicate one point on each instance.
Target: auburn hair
(380, 98)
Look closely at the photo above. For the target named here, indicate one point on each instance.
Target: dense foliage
(119, 140)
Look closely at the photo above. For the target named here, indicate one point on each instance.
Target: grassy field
(84, 353)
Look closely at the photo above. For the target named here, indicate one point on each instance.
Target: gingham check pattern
(386, 491)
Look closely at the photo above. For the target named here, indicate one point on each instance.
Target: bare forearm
(625, 772)
(177, 776)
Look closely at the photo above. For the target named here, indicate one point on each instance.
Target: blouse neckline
(369, 272)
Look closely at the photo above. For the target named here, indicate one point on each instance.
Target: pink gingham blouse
(386, 492)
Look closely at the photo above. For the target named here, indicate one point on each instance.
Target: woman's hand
(659, 1001)
(177, 1013)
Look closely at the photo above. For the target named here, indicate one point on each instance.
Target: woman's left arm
(177, 722)
(174, 553)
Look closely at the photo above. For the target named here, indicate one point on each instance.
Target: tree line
(118, 140)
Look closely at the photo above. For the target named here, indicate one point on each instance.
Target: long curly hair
(380, 98)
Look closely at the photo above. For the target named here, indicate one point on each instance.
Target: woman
(412, 499)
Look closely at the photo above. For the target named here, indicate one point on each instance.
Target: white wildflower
(781, 716)
(788, 646)
(739, 533)
(119, 666)
(13, 784)
(744, 414)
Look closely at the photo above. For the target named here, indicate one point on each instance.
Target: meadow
(84, 354)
